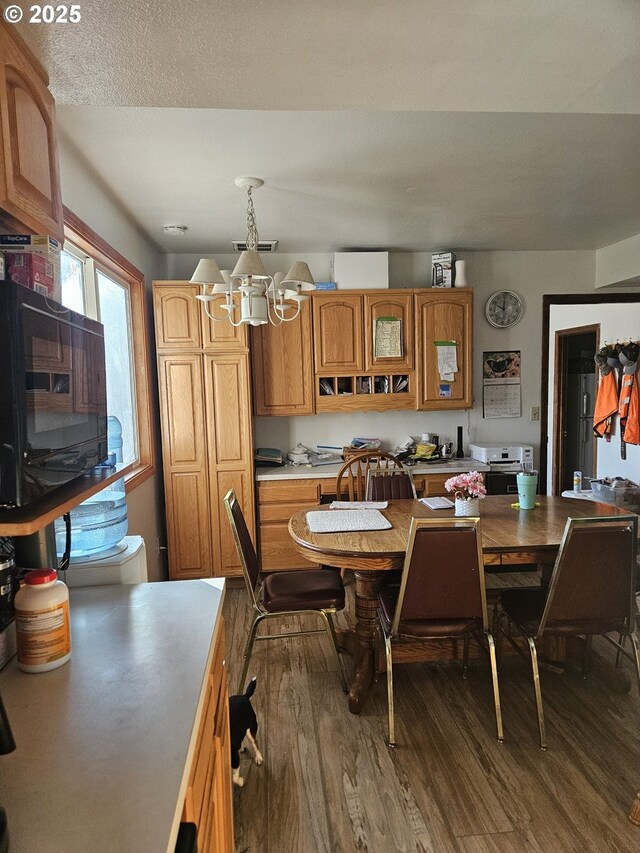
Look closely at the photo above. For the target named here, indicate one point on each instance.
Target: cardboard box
(443, 269)
(32, 271)
(40, 245)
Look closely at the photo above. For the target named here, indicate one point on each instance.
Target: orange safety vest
(629, 409)
(606, 405)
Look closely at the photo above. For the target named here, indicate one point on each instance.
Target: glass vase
(467, 506)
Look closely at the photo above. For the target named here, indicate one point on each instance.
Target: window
(99, 282)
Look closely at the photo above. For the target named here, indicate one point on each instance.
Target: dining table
(511, 537)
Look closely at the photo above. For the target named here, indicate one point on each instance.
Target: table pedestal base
(367, 586)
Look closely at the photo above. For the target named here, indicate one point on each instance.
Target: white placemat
(359, 504)
(347, 520)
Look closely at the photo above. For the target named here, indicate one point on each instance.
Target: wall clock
(504, 308)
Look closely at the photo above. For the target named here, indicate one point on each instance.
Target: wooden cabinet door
(337, 333)
(177, 315)
(398, 306)
(444, 315)
(230, 450)
(184, 453)
(220, 334)
(282, 367)
(30, 184)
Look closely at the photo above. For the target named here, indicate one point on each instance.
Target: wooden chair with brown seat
(441, 596)
(312, 592)
(390, 484)
(591, 591)
(351, 479)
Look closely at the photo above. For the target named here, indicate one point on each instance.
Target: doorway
(574, 445)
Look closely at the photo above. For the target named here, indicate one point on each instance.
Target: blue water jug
(101, 521)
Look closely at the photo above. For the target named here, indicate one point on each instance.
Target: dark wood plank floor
(330, 784)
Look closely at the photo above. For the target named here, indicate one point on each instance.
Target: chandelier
(249, 289)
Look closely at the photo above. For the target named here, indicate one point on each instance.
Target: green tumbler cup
(527, 488)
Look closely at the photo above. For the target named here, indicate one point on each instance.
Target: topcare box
(36, 244)
(443, 266)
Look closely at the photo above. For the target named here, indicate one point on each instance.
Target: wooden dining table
(511, 537)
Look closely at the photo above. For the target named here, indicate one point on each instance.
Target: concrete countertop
(105, 742)
(303, 472)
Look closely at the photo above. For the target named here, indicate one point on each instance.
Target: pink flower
(466, 486)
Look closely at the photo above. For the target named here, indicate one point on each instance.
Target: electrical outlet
(534, 414)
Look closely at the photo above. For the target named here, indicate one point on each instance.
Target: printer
(503, 457)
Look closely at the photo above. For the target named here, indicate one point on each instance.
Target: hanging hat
(612, 356)
(629, 353)
(601, 363)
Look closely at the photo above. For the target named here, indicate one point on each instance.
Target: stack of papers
(437, 503)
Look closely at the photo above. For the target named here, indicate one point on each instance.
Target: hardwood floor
(330, 784)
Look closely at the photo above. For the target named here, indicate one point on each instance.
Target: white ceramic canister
(42, 622)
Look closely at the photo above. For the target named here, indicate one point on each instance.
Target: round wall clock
(503, 309)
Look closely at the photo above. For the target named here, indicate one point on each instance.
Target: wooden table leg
(367, 585)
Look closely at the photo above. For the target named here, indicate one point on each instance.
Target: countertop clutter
(305, 472)
(104, 743)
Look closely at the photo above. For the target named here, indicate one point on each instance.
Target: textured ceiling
(501, 124)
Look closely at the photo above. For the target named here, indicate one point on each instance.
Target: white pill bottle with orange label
(42, 622)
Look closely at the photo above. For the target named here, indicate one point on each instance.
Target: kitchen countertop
(105, 742)
(303, 472)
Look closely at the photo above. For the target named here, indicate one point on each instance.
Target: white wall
(85, 194)
(617, 322)
(619, 263)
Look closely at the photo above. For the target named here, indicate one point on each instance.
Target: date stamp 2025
(60, 13)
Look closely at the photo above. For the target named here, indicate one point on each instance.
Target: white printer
(504, 457)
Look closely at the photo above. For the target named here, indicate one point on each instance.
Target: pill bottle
(42, 622)
(577, 481)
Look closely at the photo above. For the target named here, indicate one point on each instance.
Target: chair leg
(586, 655)
(389, 659)
(465, 655)
(622, 639)
(496, 691)
(331, 631)
(636, 651)
(538, 693)
(248, 649)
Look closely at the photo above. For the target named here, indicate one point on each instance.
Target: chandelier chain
(252, 228)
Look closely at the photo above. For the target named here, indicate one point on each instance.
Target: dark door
(575, 447)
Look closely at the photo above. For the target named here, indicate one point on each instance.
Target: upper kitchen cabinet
(444, 315)
(29, 177)
(181, 321)
(282, 367)
(378, 308)
(337, 333)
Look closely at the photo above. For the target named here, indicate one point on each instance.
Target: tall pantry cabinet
(207, 440)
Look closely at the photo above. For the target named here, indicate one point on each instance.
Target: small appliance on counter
(504, 461)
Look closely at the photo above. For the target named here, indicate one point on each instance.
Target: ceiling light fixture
(260, 297)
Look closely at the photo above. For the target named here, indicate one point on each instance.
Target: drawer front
(434, 484)
(270, 513)
(292, 491)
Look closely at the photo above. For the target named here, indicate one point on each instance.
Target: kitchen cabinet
(207, 437)
(181, 322)
(208, 801)
(29, 176)
(338, 333)
(282, 361)
(398, 305)
(444, 315)
(350, 376)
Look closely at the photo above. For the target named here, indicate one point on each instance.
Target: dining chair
(356, 470)
(390, 484)
(441, 596)
(591, 591)
(290, 593)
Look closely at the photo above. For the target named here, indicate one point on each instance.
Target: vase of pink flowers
(468, 490)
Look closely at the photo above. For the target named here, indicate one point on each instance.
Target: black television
(53, 402)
